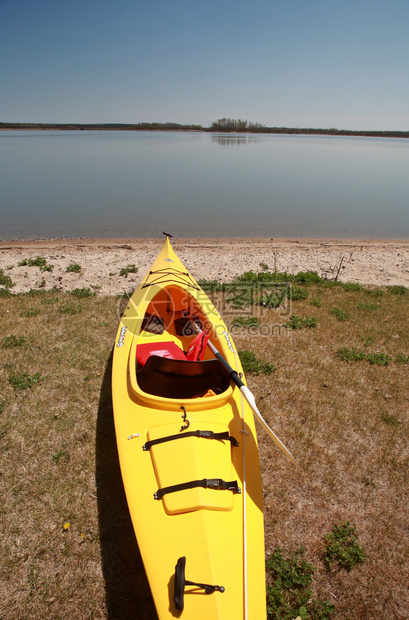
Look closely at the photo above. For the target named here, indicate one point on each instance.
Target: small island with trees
(222, 125)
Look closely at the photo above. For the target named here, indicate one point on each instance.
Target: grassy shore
(337, 397)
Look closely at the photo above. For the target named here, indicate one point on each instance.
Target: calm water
(137, 184)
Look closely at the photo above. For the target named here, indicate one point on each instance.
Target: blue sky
(294, 63)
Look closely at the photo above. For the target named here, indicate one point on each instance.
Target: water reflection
(229, 140)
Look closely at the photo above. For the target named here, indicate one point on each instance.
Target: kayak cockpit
(166, 361)
(170, 378)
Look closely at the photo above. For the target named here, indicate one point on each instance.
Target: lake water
(139, 184)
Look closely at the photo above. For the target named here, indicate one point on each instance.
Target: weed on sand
(67, 544)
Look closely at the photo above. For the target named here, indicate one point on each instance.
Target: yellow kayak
(188, 451)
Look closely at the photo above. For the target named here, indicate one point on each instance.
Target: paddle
(248, 395)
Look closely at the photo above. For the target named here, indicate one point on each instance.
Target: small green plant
(82, 293)
(350, 355)
(128, 269)
(74, 268)
(30, 312)
(261, 277)
(366, 306)
(246, 321)
(12, 341)
(2, 405)
(253, 365)
(39, 261)
(5, 281)
(341, 315)
(307, 278)
(289, 593)
(398, 289)
(390, 419)
(352, 287)
(381, 359)
(376, 292)
(66, 309)
(298, 293)
(264, 266)
(342, 547)
(298, 322)
(24, 381)
(275, 298)
(368, 341)
(302, 277)
(61, 456)
(315, 301)
(401, 358)
(241, 296)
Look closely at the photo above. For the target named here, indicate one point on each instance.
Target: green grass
(125, 271)
(346, 423)
(342, 548)
(253, 365)
(74, 268)
(352, 355)
(398, 289)
(5, 281)
(289, 593)
(366, 306)
(12, 341)
(298, 293)
(298, 322)
(82, 293)
(246, 321)
(341, 315)
(24, 381)
(39, 261)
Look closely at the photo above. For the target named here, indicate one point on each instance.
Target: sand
(372, 262)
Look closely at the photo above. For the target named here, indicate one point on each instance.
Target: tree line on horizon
(225, 125)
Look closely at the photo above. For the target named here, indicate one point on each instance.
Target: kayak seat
(170, 378)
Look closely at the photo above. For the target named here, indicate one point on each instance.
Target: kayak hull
(189, 464)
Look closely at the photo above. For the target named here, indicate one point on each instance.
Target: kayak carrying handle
(181, 583)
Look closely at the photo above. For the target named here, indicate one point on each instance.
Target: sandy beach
(372, 262)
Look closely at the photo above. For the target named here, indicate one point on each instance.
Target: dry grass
(346, 423)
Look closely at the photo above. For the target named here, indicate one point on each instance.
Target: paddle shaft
(234, 376)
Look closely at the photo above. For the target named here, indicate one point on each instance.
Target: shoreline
(93, 242)
(376, 262)
(247, 129)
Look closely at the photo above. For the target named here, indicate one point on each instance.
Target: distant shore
(193, 127)
(373, 262)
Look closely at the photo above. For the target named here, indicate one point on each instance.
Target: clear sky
(294, 63)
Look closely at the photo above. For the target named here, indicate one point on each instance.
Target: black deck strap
(206, 483)
(181, 582)
(198, 433)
